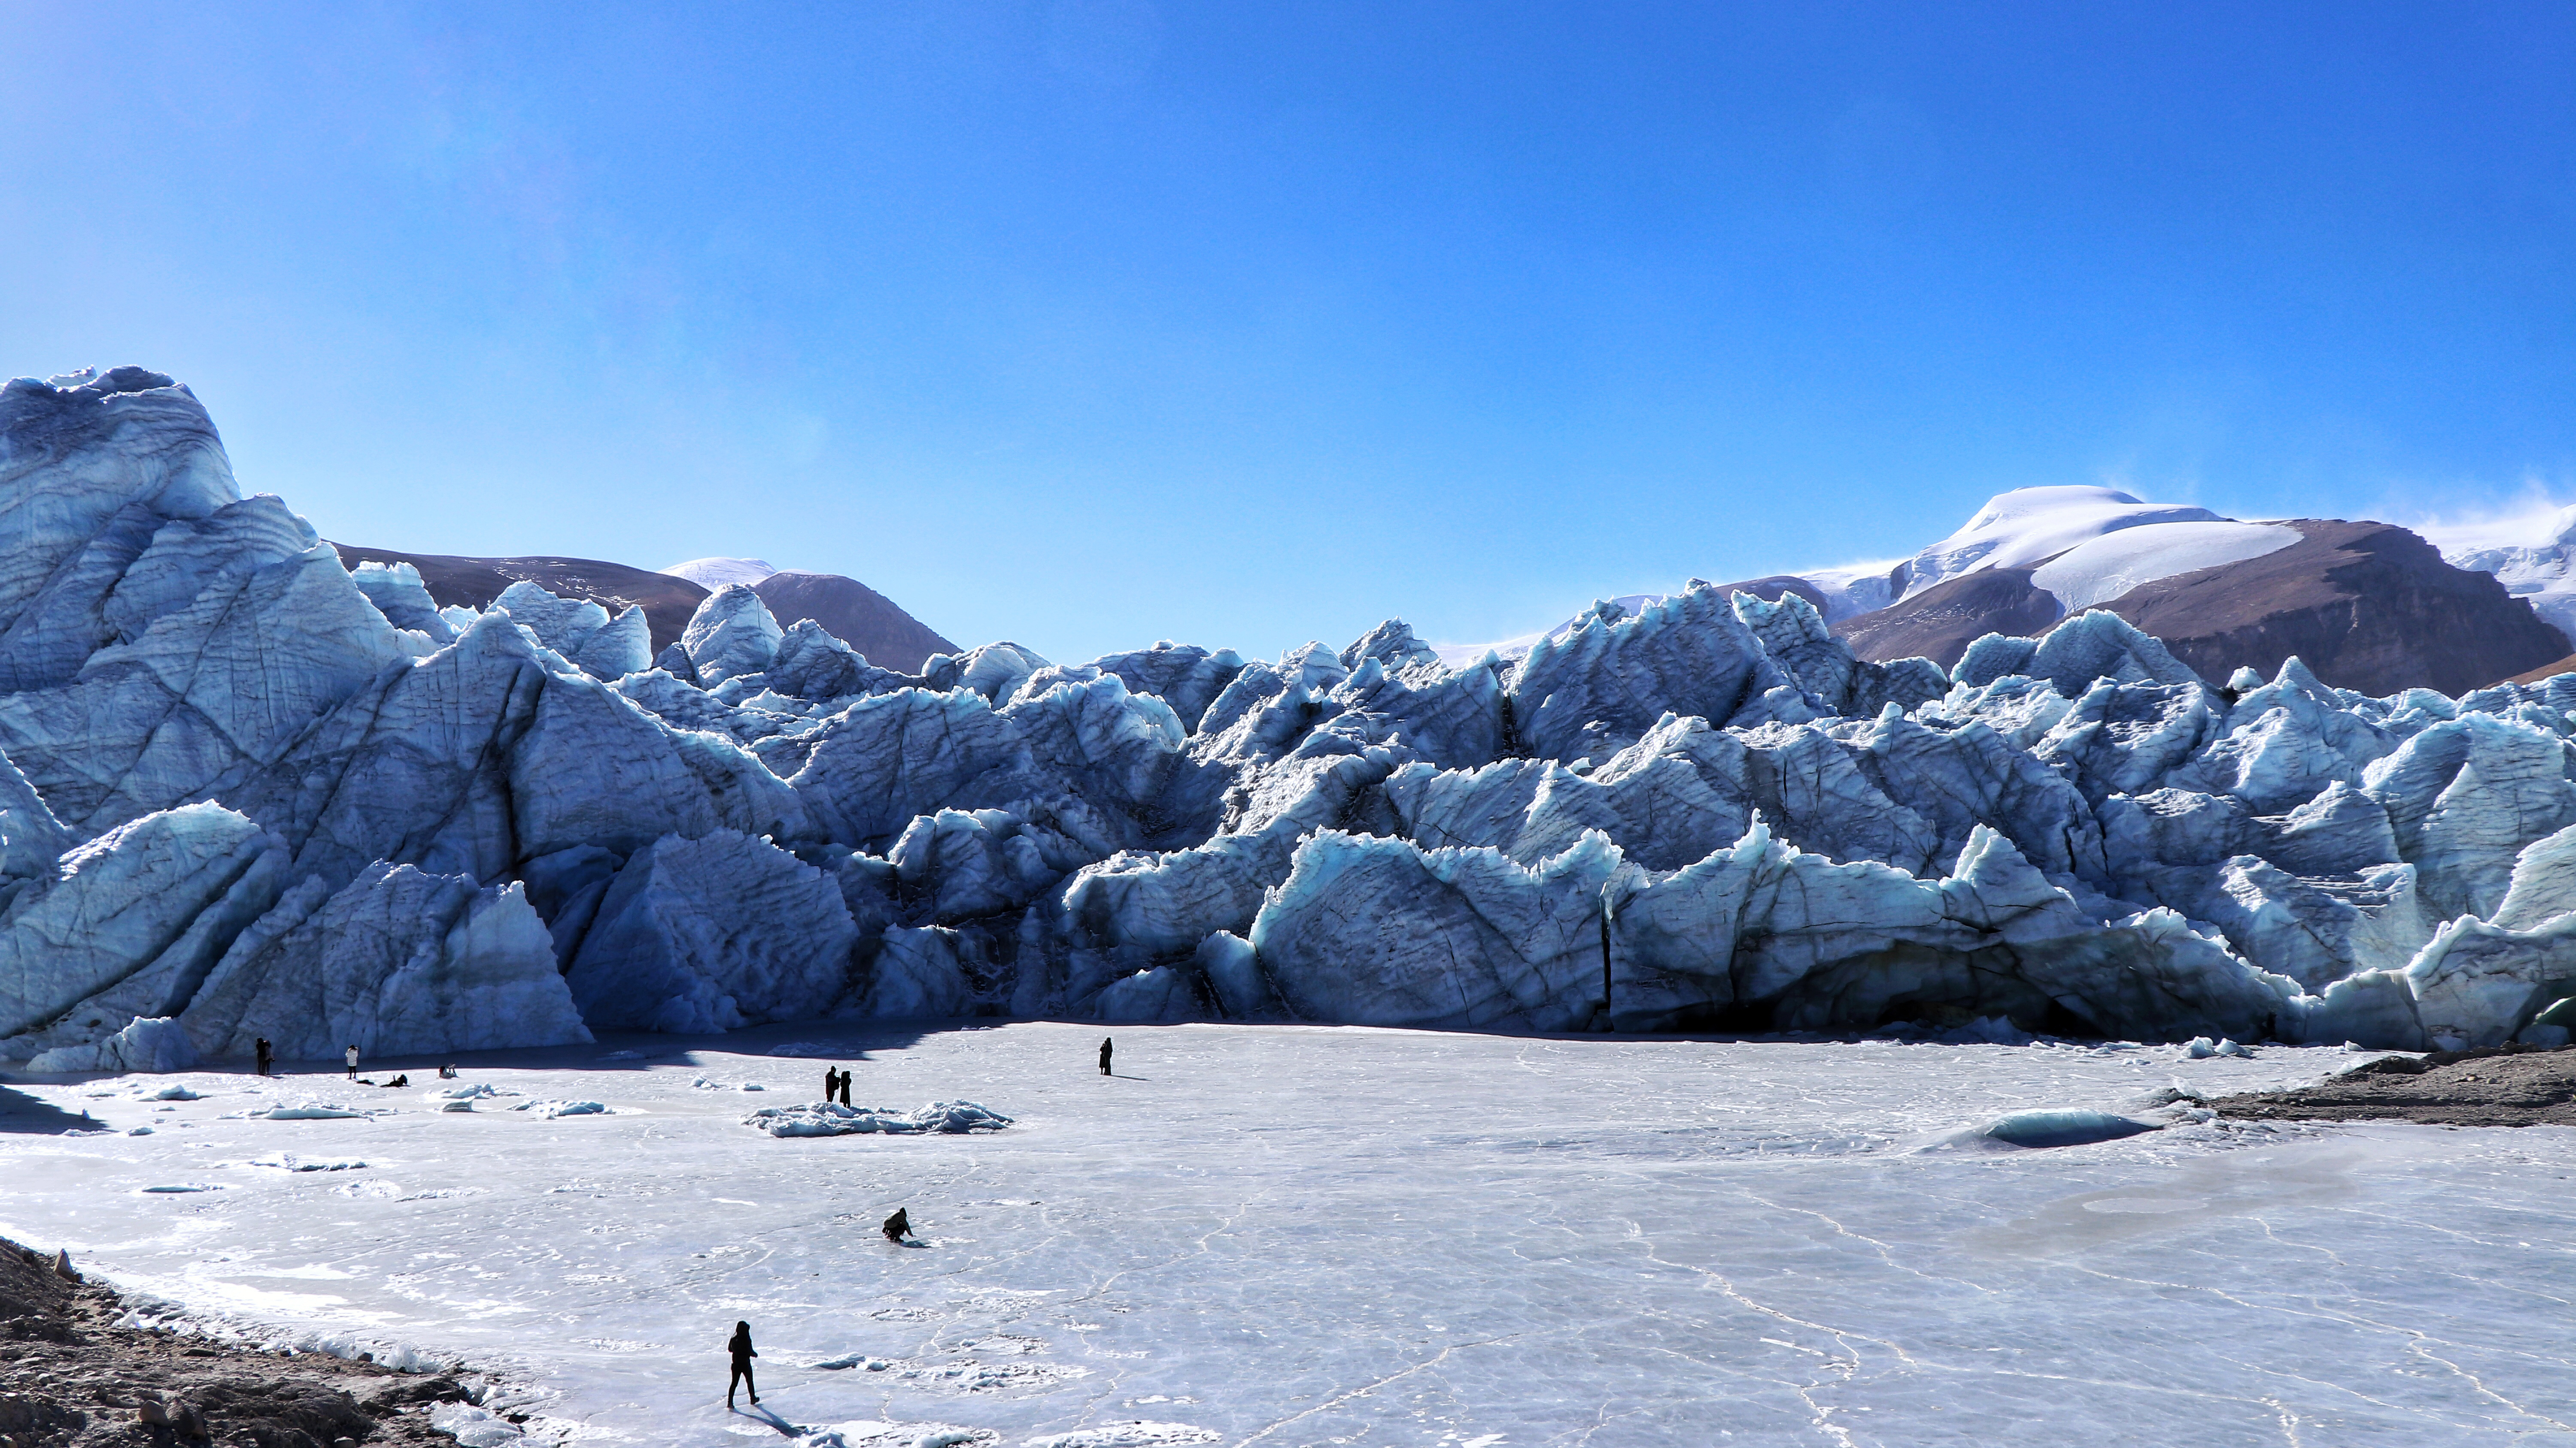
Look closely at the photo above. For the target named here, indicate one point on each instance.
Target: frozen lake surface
(1287, 1235)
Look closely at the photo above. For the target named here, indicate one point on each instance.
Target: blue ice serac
(248, 794)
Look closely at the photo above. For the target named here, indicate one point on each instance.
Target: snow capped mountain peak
(2030, 525)
(714, 573)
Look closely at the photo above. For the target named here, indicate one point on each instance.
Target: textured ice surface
(248, 791)
(155, 1043)
(825, 1118)
(1291, 1235)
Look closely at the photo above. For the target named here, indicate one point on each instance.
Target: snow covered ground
(1287, 1235)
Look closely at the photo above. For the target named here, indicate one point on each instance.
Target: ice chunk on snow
(549, 1110)
(288, 1161)
(2057, 1126)
(309, 1110)
(473, 1427)
(831, 1119)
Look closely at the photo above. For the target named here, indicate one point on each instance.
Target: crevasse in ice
(246, 794)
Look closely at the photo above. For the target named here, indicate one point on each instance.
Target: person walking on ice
(1104, 1055)
(899, 1226)
(742, 1356)
(353, 1063)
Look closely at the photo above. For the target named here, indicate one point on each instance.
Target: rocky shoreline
(2504, 1086)
(71, 1376)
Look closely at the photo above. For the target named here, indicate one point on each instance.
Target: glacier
(2533, 554)
(247, 793)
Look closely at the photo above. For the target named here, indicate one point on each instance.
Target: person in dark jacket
(264, 1053)
(845, 1088)
(1104, 1055)
(898, 1226)
(742, 1356)
(831, 1083)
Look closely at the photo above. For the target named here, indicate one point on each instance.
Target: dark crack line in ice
(1366, 1388)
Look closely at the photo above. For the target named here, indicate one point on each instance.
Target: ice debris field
(1292, 1235)
(246, 794)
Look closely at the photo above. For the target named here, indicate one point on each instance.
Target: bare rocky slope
(72, 1377)
(1940, 622)
(2501, 1086)
(855, 614)
(2367, 606)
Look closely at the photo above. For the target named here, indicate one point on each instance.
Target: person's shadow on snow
(785, 1428)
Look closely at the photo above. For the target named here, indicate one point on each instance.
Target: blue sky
(1099, 322)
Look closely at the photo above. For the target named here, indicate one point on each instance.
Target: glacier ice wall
(245, 793)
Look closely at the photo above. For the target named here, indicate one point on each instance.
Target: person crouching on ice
(742, 1356)
(898, 1226)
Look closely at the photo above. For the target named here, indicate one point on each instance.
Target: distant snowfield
(2103, 568)
(1290, 1235)
(714, 573)
(2532, 553)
